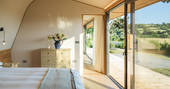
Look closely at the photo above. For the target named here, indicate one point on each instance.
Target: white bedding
(21, 78)
(39, 78)
(62, 79)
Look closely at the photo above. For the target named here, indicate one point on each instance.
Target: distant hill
(153, 30)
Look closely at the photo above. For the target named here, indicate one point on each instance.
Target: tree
(116, 30)
(117, 33)
(166, 1)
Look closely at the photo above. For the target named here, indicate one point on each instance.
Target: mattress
(39, 78)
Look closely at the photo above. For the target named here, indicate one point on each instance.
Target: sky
(156, 14)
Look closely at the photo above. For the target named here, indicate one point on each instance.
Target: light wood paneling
(113, 4)
(119, 11)
(97, 3)
(109, 4)
(87, 19)
(5, 56)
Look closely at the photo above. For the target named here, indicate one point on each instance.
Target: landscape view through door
(148, 45)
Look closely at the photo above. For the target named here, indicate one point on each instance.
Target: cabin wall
(11, 14)
(46, 17)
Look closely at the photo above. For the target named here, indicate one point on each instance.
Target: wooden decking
(95, 80)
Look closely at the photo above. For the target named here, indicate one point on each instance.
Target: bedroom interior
(84, 44)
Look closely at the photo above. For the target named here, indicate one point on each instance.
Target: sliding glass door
(152, 28)
(116, 45)
(120, 38)
(138, 46)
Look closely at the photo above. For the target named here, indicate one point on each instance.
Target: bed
(39, 78)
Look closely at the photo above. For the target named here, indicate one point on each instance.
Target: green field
(165, 71)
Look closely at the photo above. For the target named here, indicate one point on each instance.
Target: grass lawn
(165, 71)
(116, 51)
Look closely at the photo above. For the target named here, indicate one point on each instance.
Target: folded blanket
(61, 79)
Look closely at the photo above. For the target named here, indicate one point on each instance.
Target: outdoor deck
(145, 78)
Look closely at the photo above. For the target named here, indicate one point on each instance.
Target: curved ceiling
(97, 3)
(12, 12)
(104, 4)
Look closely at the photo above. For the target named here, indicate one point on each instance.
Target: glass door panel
(152, 57)
(116, 44)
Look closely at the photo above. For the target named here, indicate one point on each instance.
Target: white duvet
(21, 78)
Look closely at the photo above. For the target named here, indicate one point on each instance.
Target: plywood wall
(5, 56)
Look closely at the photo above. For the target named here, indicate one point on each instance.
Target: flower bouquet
(58, 38)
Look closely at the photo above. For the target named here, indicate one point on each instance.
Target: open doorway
(93, 31)
(89, 39)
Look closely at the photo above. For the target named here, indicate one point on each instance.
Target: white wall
(99, 43)
(11, 14)
(45, 17)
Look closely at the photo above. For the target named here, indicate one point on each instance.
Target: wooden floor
(95, 80)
